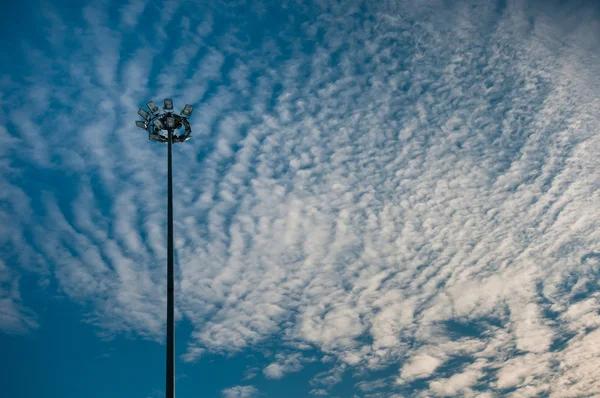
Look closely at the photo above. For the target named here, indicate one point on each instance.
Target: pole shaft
(170, 385)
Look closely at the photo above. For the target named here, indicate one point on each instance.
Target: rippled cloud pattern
(407, 189)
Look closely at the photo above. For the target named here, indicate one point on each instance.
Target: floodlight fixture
(158, 124)
(152, 106)
(187, 110)
(142, 125)
(144, 114)
(170, 122)
(168, 104)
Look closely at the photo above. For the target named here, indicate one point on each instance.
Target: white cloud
(370, 386)
(579, 367)
(130, 13)
(284, 364)
(456, 384)
(240, 392)
(522, 369)
(420, 366)
(328, 379)
(15, 318)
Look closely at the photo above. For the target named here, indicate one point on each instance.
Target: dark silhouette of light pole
(157, 124)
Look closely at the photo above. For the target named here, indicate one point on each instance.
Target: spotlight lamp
(152, 106)
(170, 122)
(187, 110)
(142, 125)
(158, 124)
(167, 126)
(144, 114)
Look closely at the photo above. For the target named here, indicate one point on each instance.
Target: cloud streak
(240, 392)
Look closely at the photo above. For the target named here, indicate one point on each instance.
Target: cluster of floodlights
(158, 124)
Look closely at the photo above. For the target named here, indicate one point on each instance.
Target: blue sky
(381, 198)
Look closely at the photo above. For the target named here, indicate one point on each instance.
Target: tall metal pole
(154, 122)
(170, 385)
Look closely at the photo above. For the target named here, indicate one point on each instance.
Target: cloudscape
(381, 198)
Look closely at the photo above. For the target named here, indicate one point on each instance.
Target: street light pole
(170, 384)
(155, 124)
